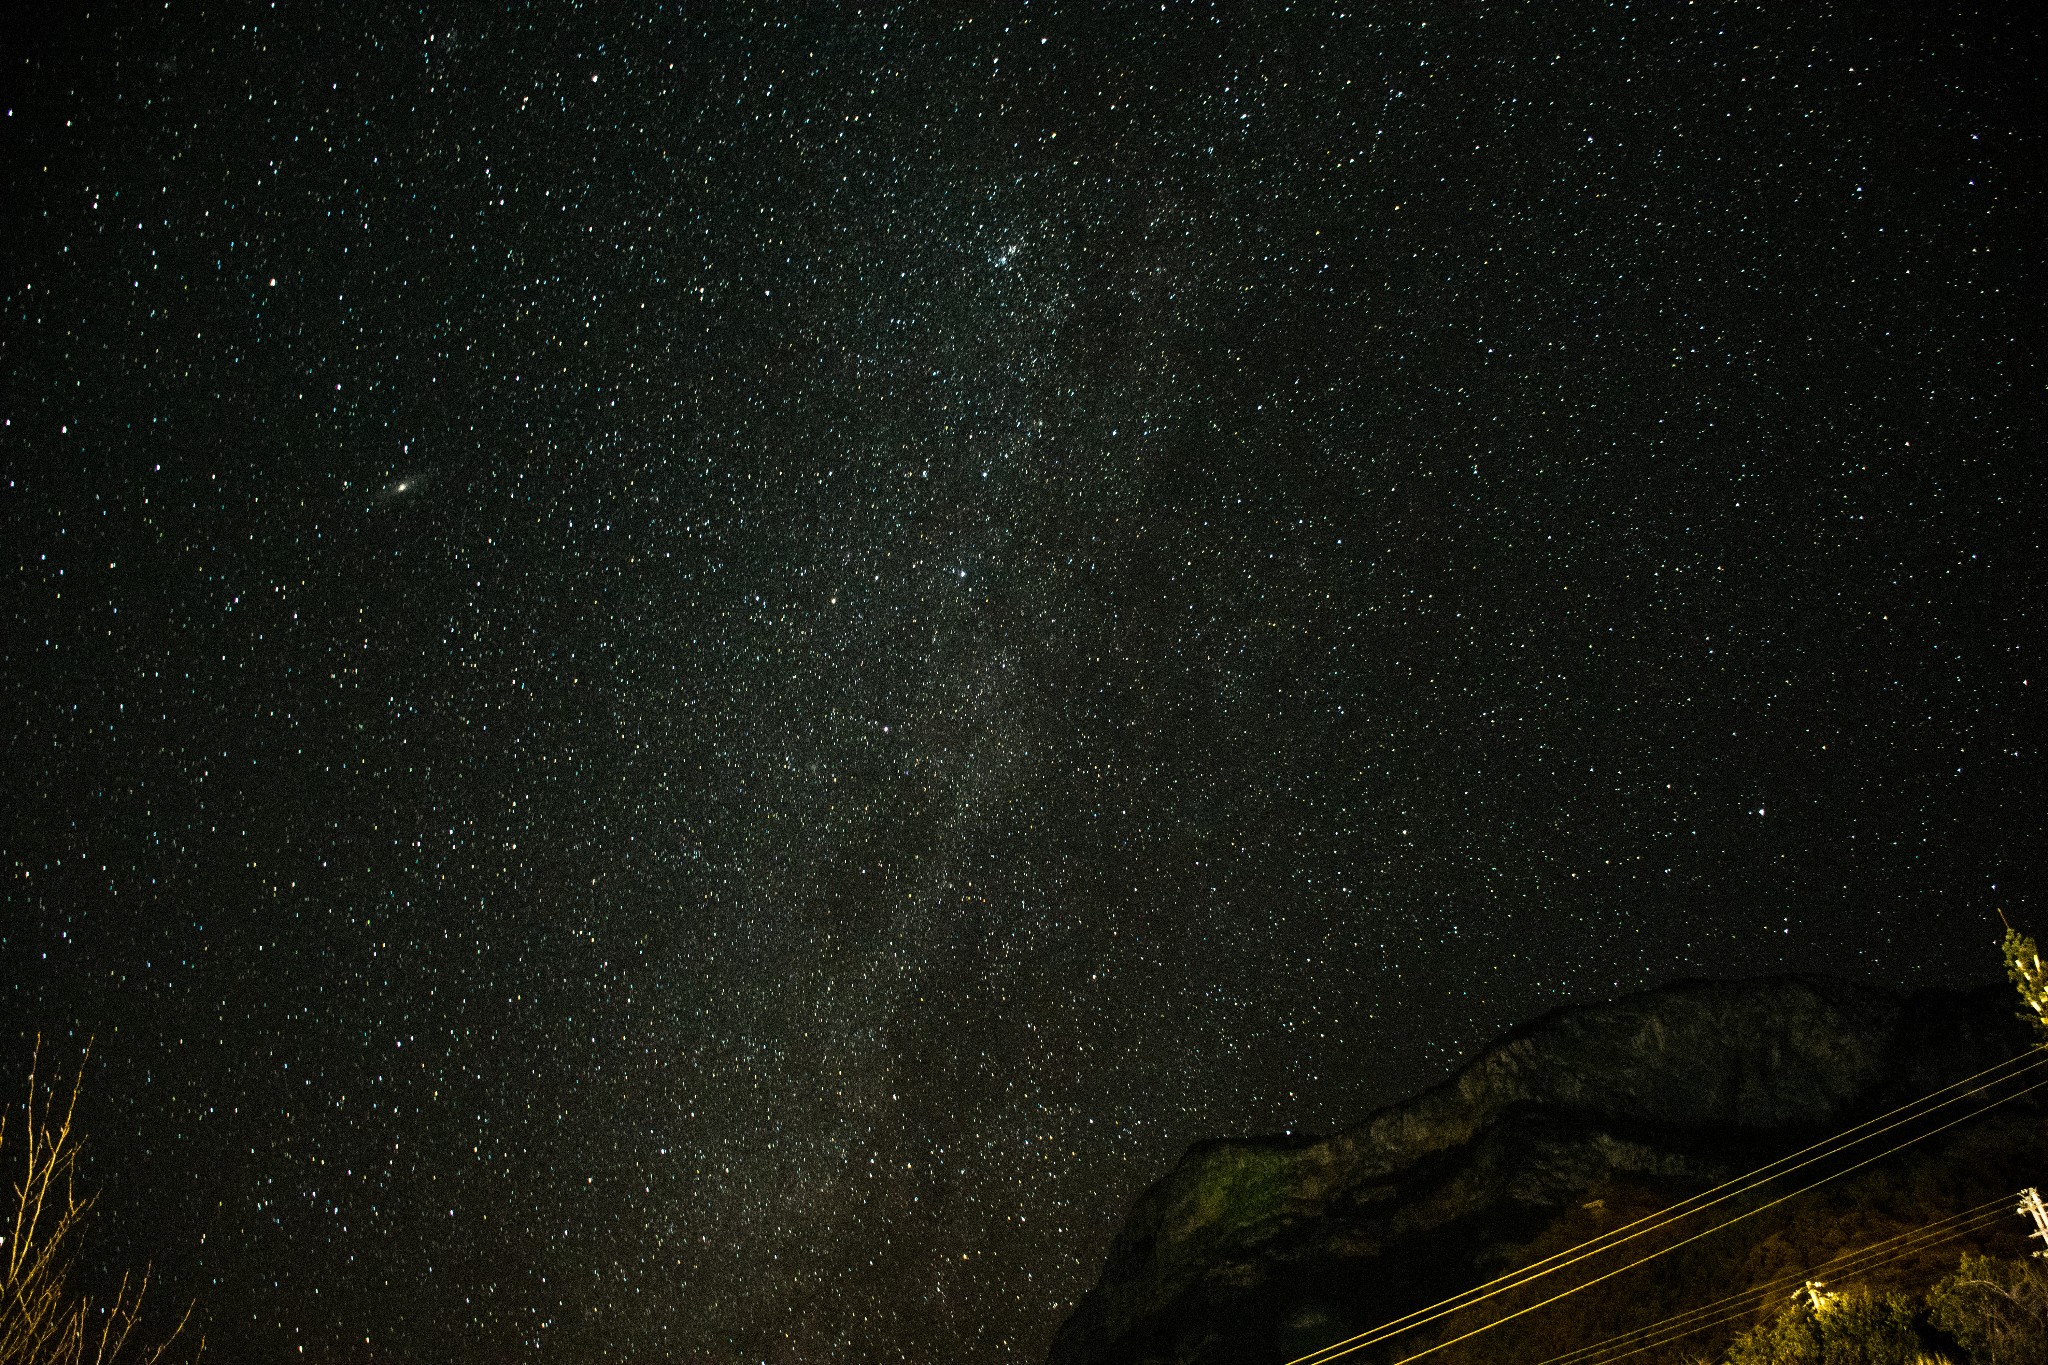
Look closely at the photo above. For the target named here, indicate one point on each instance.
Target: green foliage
(1997, 1310)
(2023, 964)
(1852, 1328)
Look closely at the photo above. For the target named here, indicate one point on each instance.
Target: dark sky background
(692, 684)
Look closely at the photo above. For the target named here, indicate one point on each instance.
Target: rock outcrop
(1261, 1250)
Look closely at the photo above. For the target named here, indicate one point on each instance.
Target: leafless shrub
(43, 1321)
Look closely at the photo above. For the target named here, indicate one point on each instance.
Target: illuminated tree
(1997, 1310)
(1854, 1327)
(2023, 964)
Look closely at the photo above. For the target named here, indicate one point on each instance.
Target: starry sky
(691, 682)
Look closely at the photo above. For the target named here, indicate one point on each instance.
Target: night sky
(692, 684)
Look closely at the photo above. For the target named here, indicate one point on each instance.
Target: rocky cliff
(1264, 1249)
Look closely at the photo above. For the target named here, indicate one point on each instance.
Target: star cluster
(692, 685)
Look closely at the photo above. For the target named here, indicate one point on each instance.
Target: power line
(1665, 1251)
(1664, 1217)
(1685, 1208)
(1856, 1262)
(1741, 1313)
(1906, 1243)
(1737, 1315)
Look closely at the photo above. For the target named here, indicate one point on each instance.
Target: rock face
(1261, 1250)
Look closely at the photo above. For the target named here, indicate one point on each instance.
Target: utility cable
(1708, 1232)
(1903, 1244)
(1696, 1318)
(1842, 1263)
(1741, 1313)
(1685, 1208)
(1664, 1217)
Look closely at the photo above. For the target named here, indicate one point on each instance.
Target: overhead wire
(1664, 1217)
(1707, 1232)
(1720, 1194)
(1741, 1313)
(1903, 1244)
(1846, 1262)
